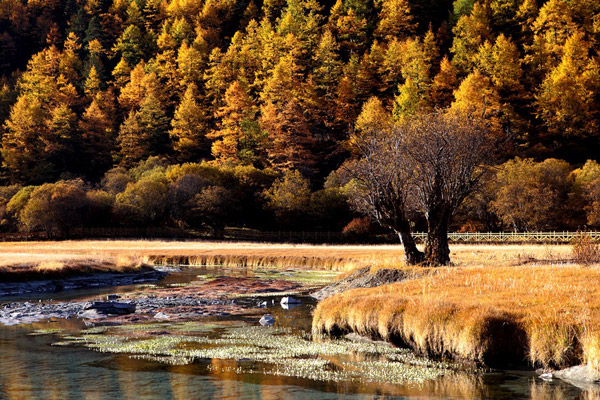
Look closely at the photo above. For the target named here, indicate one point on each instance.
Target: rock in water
(161, 315)
(267, 320)
(289, 300)
(578, 374)
(111, 307)
(547, 376)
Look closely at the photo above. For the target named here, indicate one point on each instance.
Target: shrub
(357, 229)
(289, 197)
(531, 196)
(115, 180)
(143, 202)
(55, 207)
(214, 207)
(585, 249)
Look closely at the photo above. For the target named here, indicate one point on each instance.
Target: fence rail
(234, 234)
(512, 237)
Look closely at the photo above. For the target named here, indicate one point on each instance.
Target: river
(32, 367)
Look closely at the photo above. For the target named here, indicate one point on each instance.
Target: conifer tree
(121, 73)
(98, 140)
(145, 132)
(133, 92)
(501, 62)
(188, 127)
(190, 64)
(552, 27)
(61, 142)
(238, 139)
(23, 149)
(444, 84)
(131, 45)
(349, 29)
(134, 141)
(477, 96)
(470, 32)
(395, 20)
(567, 101)
(373, 120)
(289, 136)
(92, 83)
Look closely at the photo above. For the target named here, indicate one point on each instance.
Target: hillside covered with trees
(243, 112)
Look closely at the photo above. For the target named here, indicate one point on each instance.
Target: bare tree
(427, 164)
(446, 152)
(382, 187)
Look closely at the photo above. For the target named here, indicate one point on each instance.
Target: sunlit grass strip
(60, 267)
(256, 262)
(547, 315)
(261, 255)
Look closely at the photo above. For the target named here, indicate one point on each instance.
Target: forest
(244, 113)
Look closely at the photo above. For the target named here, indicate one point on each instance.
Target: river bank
(528, 316)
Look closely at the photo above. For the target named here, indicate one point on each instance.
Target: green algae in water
(282, 353)
(47, 331)
(315, 277)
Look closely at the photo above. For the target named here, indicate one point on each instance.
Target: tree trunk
(413, 255)
(437, 251)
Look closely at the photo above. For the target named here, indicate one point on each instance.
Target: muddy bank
(363, 278)
(92, 281)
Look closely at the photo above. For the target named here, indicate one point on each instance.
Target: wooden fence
(512, 237)
(234, 234)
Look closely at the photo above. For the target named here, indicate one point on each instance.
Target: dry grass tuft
(585, 249)
(548, 315)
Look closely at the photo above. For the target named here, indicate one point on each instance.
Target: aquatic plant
(282, 353)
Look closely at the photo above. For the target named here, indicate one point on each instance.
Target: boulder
(111, 307)
(289, 300)
(578, 374)
(267, 320)
(161, 315)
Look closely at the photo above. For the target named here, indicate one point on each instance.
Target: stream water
(32, 367)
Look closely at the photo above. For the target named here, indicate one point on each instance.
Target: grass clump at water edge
(541, 315)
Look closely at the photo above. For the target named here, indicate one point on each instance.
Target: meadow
(330, 257)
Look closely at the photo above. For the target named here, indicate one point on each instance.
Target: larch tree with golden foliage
(237, 139)
(98, 144)
(470, 32)
(568, 98)
(23, 150)
(283, 119)
(188, 127)
(477, 96)
(395, 20)
(501, 63)
(444, 84)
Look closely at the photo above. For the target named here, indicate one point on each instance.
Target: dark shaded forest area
(242, 113)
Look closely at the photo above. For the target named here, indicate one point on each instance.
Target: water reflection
(30, 368)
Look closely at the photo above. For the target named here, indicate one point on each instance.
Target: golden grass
(23, 267)
(338, 258)
(548, 314)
